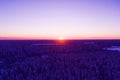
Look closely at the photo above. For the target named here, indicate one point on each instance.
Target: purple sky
(50, 19)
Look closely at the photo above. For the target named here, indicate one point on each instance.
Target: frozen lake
(114, 48)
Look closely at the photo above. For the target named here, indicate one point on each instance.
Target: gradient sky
(50, 19)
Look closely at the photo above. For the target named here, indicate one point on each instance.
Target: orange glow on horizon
(61, 40)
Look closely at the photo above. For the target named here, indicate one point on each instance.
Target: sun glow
(61, 38)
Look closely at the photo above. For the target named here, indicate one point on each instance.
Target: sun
(61, 38)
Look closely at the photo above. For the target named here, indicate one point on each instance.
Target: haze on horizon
(51, 19)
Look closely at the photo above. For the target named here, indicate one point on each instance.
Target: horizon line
(58, 39)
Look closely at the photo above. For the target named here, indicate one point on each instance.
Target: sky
(52, 19)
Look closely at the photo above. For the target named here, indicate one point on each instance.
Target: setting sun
(61, 38)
